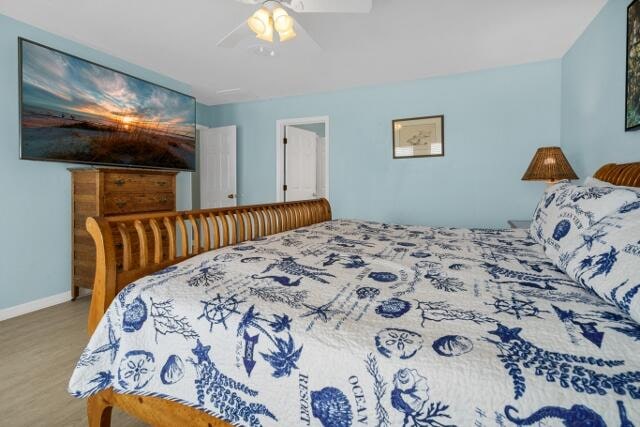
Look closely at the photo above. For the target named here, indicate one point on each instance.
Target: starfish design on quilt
(219, 392)
(218, 309)
(112, 346)
(568, 370)
(288, 265)
(322, 312)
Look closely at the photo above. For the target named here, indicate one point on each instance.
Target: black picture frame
(414, 156)
(20, 41)
(633, 13)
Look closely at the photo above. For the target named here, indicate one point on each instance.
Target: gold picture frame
(418, 137)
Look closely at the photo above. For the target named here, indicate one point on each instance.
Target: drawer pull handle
(119, 182)
(162, 183)
(163, 200)
(121, 203)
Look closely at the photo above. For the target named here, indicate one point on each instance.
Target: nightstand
(519, 223)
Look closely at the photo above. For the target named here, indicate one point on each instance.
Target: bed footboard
(132, 246)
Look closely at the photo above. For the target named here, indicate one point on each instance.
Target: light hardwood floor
(38, 352)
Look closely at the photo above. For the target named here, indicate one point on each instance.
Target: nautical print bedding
(359, 323)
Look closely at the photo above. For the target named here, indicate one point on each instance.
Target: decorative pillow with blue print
(607, 259)
(566, 211)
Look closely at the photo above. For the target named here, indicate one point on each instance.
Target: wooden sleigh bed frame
(133, 246)
(129, 247)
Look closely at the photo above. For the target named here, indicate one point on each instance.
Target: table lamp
(549, 164)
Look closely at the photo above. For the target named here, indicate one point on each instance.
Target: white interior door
(218, 167)
(300, 164)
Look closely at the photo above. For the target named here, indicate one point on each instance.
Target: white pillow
(607, 259)
(567, 210)
(595, 182)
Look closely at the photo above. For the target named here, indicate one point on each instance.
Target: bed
(277, 315)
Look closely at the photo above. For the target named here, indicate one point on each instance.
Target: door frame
(280, 125)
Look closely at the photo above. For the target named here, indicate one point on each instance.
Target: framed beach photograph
(418, 137)
(632, 116)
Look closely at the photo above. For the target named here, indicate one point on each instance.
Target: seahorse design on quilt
(567, 370)
(576, 416)
(288, 265)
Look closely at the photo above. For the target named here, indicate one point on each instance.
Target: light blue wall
(494, 121)
(35, 196)
(593, 94)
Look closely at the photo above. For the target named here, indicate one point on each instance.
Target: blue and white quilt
(349, 323)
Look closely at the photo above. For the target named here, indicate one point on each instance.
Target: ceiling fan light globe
(281, 20)
(266, 35)
(259, 22)
(283, 24)
(287, 35)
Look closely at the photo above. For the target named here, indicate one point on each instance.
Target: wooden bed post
(104, 285)
(99, 411)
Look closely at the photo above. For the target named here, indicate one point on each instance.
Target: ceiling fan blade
(330, 6)
(232, 39)
(304, 35)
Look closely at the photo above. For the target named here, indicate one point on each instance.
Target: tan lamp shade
(549, 164)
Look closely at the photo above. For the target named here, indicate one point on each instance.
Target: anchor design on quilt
(214, 388)
(567, 370)
(288, 265)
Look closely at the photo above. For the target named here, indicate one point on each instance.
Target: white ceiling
(400, 40)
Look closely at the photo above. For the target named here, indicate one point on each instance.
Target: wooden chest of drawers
(110, 191)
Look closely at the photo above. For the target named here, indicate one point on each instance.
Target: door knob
(230, 196)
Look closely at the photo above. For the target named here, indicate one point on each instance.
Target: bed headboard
(132, 246)
(627, 174)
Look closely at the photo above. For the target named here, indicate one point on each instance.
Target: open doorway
(302, 159)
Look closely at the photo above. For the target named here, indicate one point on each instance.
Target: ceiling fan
(272, 21)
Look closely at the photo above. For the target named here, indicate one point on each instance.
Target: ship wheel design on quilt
(517, 307)
(218, 309)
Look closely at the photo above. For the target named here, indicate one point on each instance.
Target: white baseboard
(39, 304)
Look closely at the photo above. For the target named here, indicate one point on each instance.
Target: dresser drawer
(126, 203)
(137, 183)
